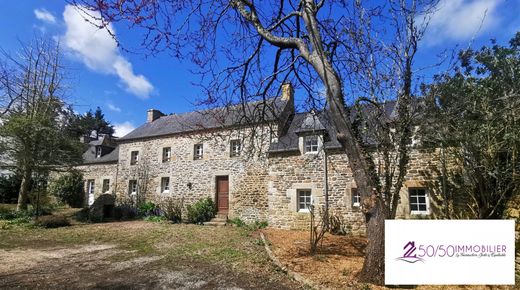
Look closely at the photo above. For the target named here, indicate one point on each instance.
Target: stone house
(261, 161)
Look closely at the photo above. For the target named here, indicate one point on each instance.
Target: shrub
(11, 214)
(154, 219)
(201, 211)
(42, 201)
(52, 221)
(68, 189)
(125, 212)
(172, 208)
(237, 222)
(149, 209)
(251, 227)
(9, 187)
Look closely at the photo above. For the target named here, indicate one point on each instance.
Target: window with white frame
(236, 147)
(418, 201)
(198, 151)
(165, 185)
(166, 154)
(356, 197)
(106, 186)
(91, 186)
(134, 158)
(132, 187)
(304, 199)
(99, 151)
(311, 144)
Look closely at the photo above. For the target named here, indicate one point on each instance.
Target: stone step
(215, 224)
(223, 220)
(221, 216)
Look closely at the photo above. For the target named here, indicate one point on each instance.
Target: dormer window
(166, 154)
(198, 151)
(99, 151)
(134, 158)
(311, 144)
(236, 147)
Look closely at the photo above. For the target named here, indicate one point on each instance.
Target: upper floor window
(134, 157)
(311, 144)
(166, 154)
(236, 147)
(165, 185)
(419, 203)
(99, 151)
(90, 186)
(132, 187)
(106, 186)
(356, 197)
(198, 151)
(304, 199)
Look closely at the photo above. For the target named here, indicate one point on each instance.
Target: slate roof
(89, 157)
(250, 113)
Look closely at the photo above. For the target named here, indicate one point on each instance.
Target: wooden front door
(222, 194)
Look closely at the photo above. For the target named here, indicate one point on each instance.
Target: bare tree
(246, 49)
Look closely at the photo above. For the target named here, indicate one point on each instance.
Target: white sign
(450, 252)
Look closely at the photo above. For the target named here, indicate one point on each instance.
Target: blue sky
(126, 84)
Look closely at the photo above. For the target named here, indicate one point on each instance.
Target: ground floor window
(91, 186)
(165, 185)
(304, 199)
(132, 187)
(106, 185)
(418, 201)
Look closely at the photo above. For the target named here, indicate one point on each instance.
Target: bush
(172, 208)
(69, 189)
(154, 219)
(251, 227)
(52, 221)
(149, 209)
(9, 188)
(124, 212)
(201, 211)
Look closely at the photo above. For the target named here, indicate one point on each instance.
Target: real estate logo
(409, 255)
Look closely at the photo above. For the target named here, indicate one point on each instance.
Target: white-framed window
(198, 151)
(311, 144)
(418, 199)
(91, 186)
(166, 154)
(304, 200)
(356, 197)
(134, 158)
(165, 184)
(235, 148)
(106, 186)
(99, 151)
(132, 187)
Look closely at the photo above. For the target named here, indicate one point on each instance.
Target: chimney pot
(287, 92)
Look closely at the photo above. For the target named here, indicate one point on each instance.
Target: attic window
(311, 144)
(98, 151)
(236, 147)
(134, 158)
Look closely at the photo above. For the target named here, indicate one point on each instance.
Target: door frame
(216, 190)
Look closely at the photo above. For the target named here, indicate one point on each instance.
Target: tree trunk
(23, 195)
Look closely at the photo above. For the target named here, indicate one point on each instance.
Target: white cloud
(459, 20)
(98, 50)
(114, 108)
(44, 15)
(121, 129)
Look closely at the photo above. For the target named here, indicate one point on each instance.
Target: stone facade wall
(196, 179)
(98, 173)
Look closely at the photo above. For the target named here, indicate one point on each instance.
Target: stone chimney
(85, 139)
(153, 115)
(287, 92)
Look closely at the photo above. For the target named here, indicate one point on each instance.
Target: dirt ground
(136, 255)
(337, 263)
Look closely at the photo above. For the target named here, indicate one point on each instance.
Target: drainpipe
(326, 185)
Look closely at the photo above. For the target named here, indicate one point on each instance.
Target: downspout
(326, 185)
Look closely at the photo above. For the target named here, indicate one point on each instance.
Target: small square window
(198, 151)
(166, 154)
(132, 187)
(106, 186)
(356, 197)
(134, 158)
(418, 201)
(304, 200)
(236, 148)
(311, 144)
(99, 151)
(165, 185)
